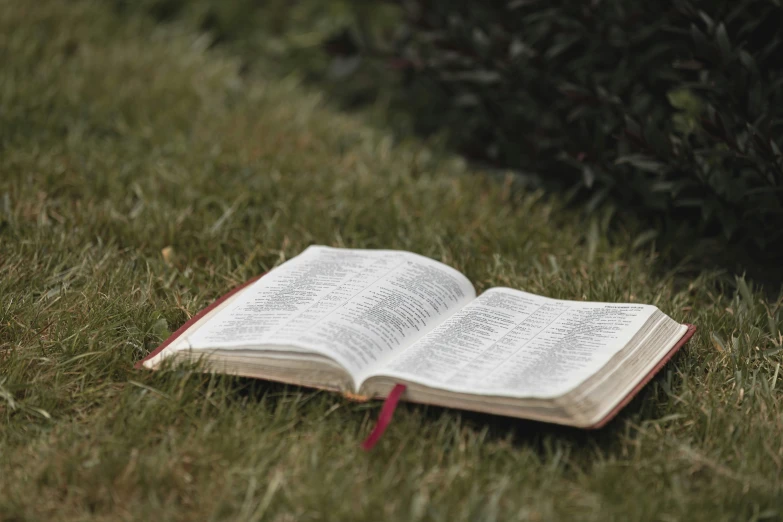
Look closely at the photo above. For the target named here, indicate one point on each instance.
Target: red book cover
(193, 320)
(647, 378)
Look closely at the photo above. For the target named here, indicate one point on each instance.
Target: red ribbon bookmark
(385, 417)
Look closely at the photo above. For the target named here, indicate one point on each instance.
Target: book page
(511, 343)
(356, 306)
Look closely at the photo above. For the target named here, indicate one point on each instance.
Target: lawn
(143, 174)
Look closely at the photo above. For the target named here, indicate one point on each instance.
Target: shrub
(673, 108)
(668, 109)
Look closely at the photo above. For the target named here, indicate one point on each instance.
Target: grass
(142, 175)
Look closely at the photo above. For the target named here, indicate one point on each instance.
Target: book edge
(193, 320)
(645, 380)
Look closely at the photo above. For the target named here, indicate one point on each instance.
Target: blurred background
(668, 112)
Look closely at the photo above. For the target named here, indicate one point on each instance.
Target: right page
(512, 343)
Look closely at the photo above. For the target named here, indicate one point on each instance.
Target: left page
(358, 307)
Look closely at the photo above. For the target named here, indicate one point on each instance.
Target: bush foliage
(672, 107)
(669, 109)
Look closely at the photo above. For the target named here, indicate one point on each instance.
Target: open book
(361, 321)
